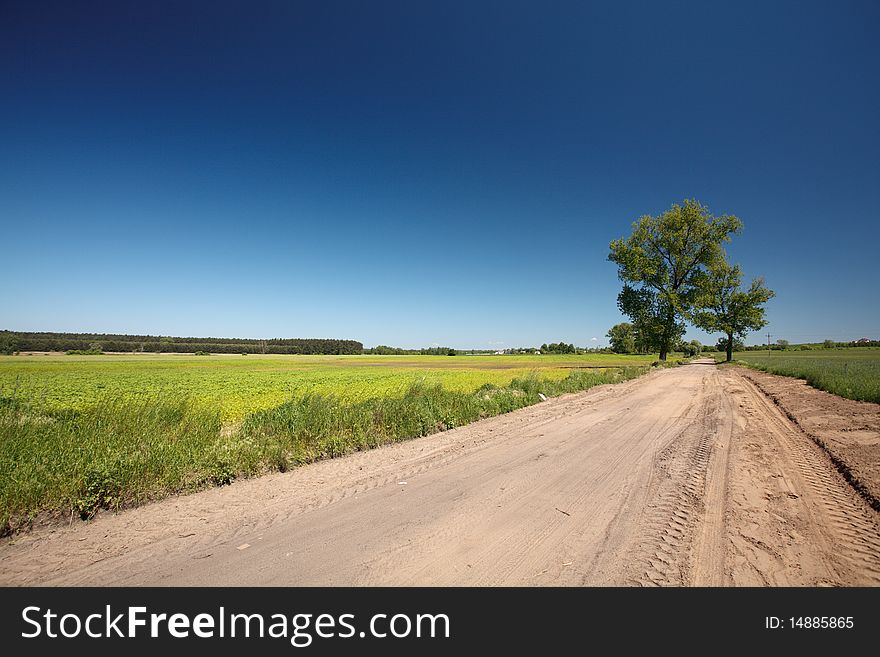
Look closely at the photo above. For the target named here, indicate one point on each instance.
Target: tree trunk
(729, 347)
(666, 346)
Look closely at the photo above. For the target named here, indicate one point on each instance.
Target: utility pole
(768, 345)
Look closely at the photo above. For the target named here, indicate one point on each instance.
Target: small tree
(829, 344)
(783, 344)
(622, 338)
(665, 256)
(723, 306)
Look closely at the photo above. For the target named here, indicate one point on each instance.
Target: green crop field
(81, 433)
(853, 372)
(238, 385)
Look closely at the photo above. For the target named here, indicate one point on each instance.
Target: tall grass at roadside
(128, 451)
(856, 377)
(122, 453)
(316, 427)
(239, 386)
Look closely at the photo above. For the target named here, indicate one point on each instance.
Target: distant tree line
(384, 350)
(831, 344)
(19, 341)
(552, 348)
(8, 343)
(558, 348)
(785, 345)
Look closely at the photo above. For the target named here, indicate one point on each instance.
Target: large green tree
(662, 263)
(722, 305)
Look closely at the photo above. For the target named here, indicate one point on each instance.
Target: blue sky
(426, 173)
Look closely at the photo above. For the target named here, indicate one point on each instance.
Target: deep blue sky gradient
(416, 173)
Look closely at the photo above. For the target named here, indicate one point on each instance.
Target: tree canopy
(558, 348)
(662, 264)
(622, 338)
(722, 305)
(649, 312)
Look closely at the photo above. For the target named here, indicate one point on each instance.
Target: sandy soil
(687, 476)
(849, 430)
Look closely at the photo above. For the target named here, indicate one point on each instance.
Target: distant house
(538, 351)
(499, 353)
(863, 340)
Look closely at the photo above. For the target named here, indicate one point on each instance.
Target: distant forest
(384, 350)
(18, 341)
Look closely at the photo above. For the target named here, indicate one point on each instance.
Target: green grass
(123, 453)
(853, 373)
(238, 385)
(68, 448)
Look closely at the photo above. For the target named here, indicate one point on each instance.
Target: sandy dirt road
(687, 476)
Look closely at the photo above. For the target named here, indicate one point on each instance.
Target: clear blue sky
(415, 173)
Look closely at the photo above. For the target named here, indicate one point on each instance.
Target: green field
(853, 372)
(81, 433)
(238, 385)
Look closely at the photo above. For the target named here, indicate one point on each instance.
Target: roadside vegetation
(127, 450)
(853, 373)
(237, 386)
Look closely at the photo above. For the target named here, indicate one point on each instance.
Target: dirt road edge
(844, 468)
